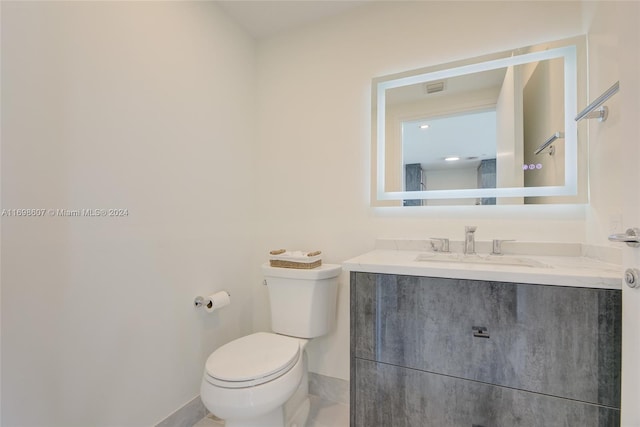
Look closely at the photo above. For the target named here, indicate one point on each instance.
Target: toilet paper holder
(199, 301)
(212, 302)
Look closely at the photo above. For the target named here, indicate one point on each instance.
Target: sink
(439, 257)
(480, 259)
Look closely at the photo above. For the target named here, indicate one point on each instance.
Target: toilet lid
(257, 356)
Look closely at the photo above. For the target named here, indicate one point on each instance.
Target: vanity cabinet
(451, 352)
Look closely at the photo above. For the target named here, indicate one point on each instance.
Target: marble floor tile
(209, 421)
(323, 413)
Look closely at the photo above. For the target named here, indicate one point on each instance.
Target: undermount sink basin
(480, 259)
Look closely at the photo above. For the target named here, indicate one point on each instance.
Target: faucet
(443, 245)
(497, 246)
(469, 239)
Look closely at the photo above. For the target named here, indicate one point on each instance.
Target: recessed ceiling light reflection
(452, 158)
(424, 126)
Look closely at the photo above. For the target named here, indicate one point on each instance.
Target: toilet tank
(303, 301)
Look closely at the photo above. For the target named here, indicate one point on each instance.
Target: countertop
(575, 271)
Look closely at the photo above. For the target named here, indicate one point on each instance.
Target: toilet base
(296, 409)
(299, 418)
(294, 413)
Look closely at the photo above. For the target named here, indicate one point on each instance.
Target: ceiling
(266, 18)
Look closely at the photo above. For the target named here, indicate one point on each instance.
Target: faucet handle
(470, 228)
(497, 245)
(442, 247)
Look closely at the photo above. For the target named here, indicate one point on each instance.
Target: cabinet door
(388, 395)
(556, 340)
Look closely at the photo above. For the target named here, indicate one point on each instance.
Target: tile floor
(323, 413)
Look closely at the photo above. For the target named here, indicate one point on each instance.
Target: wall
(0, 236)
(509, 135)
(614, 38)
(146, 106)
(444, 179)
(543, 106)
(610, 54)
(314, 133)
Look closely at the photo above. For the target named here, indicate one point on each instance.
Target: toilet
(261, 380)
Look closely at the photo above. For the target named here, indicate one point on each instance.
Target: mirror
(474, 132)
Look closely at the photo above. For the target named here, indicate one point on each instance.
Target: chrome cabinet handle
(480, 332)
(631, 237)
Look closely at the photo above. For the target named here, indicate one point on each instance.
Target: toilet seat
(252, 360)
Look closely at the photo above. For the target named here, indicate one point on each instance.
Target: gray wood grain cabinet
(451, 352)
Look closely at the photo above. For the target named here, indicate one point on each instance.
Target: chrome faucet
(497, 246)
(442, 246)
(469, 239)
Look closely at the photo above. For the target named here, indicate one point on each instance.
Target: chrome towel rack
(548, 142)
(595, 110)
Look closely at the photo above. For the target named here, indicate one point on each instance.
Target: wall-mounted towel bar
(548, 142)
(595, 110)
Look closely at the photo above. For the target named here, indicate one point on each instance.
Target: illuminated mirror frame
(570, 187)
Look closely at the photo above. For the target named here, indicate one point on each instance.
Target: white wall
(509, 142)
(447, 179)
(544, 116)
(314, 134)
(146, 106)
(149, 106)
(614, 55)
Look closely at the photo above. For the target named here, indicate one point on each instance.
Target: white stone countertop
(576, 271)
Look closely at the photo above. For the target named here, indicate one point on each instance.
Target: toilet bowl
(247, 381)
(261, 380)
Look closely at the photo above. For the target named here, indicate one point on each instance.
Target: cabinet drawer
(388, 395)
(556, 340)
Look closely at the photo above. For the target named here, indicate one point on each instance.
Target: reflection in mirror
(450, 152)
(467, 133)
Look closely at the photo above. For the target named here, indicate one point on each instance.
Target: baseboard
(192, 412)
(329, 388)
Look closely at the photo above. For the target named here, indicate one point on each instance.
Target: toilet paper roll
(216, 301)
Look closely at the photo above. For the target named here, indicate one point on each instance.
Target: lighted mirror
(498, 129)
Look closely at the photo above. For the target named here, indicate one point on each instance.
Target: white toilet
(261, 380)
